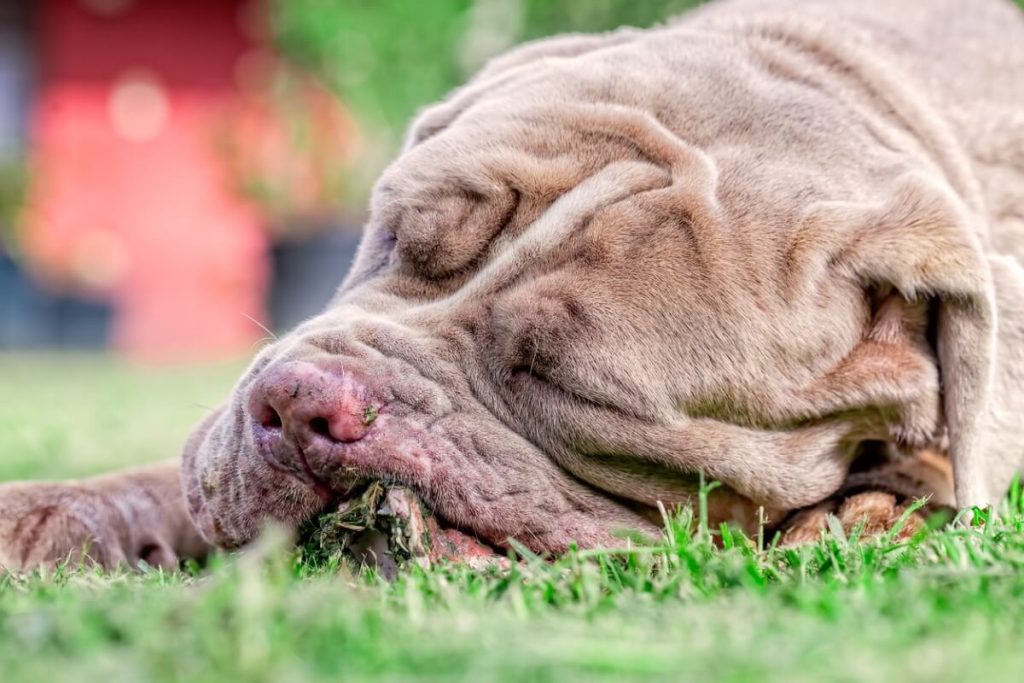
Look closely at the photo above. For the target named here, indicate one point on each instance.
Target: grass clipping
(388, 528)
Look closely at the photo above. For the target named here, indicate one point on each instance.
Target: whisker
(260, 325)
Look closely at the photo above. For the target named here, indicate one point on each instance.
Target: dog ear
(1004, 427)
(923, 242)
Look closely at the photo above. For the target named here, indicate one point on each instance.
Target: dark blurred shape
(15, 76)
(15, 87)
(33, 318)
(306, 273)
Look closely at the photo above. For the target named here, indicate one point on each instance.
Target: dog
(776, 244)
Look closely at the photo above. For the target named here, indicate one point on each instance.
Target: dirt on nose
(389, 528)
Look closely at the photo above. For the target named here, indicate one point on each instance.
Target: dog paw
(874, 513)
(877, 498)
(44, 525)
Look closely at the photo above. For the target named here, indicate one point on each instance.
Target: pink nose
(311, 405)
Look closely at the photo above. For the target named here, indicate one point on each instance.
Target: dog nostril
(320, 426)
(269, 418)
(338, 429)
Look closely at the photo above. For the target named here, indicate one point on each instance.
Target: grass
(76, 415)
(945, 605)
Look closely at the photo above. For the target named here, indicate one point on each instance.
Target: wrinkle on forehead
(616, 182)
(686, 177)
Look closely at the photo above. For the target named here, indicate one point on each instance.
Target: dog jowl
(742, 245)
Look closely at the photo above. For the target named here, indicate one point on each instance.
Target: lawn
(947, 605)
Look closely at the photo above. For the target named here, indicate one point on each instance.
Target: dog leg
(109, 521)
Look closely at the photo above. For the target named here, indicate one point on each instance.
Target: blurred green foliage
(13, 183)
(545, 17)
(388, 58)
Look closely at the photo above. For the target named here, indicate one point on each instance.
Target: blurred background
(176, 175)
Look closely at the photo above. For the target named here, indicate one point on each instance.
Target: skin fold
(757, 243)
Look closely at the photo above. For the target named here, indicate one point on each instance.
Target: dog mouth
(321, 488)
(375, 522)
(387, 528)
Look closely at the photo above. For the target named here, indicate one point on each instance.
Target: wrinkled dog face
(560, 314)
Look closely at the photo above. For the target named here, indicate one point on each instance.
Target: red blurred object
(129, 198)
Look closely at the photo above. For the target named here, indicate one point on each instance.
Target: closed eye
(524, 371)
(527, 377)
(379, 252)
(385, 252)
(389, 246)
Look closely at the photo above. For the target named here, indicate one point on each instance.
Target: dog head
(578, 292)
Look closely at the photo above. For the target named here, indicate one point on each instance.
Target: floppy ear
(923, 242)
(1004, 424)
